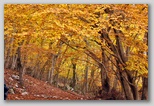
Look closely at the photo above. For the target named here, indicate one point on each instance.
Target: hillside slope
(35, 89)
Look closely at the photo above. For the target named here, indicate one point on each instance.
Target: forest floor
(35, 89)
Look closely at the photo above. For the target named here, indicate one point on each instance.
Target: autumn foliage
(95, 49)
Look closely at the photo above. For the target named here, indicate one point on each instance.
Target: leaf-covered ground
(35, 89)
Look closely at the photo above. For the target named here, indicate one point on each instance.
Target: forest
(94, 50)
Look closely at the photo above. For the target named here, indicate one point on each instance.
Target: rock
(69, 88)
(54, 97)
(19, 90)
(17, 98)
(10, 79)
(24, 93)
(26, 80)
(11, 91)
(15, 77)
(42, 95)
(16, 85)
(67, 98)
(37, 95)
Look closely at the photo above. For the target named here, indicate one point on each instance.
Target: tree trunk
(145, 80)
(19, 67)
(126, 87)
(104, 76)
(104, 81)
(85, 89)
(91, 82)
(144, 89)
(8, 52)
(14, 60)
(51, 72)
(126, 76)
(43, 69)
(74, 76)
(115, 84)
(67, 77)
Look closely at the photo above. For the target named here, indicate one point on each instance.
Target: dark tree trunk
(85, 89)
(8, 51)
(126, 76)
(19, 67)
(74, 76)
(104, 77)
(145, 89)
(145, 80)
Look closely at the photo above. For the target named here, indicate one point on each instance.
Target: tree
(108, 38)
